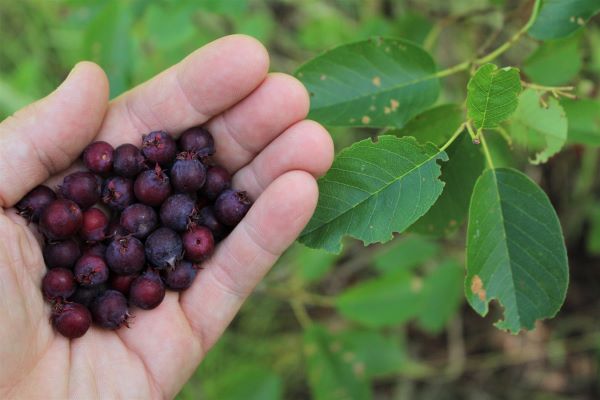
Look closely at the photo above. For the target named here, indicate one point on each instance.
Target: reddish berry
(95, 249)
(152, 187)
(188, 173)
(197, 140)
(139, 220)
(177, 212)
(91, 270)
(122, 283)
(206, 217)
(109, 310)
(217, 180)
(34, 202)
(198, 243)
(58, 284)
(182, 276)
(125, 255)
(147, 291)
(128, 161)
(159, 147)
(163, 248)
(61, 219)
(85, 295)
(71, 320)
(62, 254)
(231, 206)
(115, 230)
(117, 192)
(84, 188)
(98, 157)
(94, 226)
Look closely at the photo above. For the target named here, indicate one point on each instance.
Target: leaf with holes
(378, 83)
(374, 189)
(540, 129)
(515, 250)
(559, 18)
(492, 95)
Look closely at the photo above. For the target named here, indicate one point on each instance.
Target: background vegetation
(386, 321)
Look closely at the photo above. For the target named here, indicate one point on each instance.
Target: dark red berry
(188, 173)
(122, 283)
(159, 147)
(177, 212)
(71, 320)
(84, 188)
(182, 276)
(115, 230)
(34, 202)
(197, 140)
(117, 192)
(128, 161)
(217, 180)
(85, 295)
(91, 270)
(231, 206)
(61, 254)
(109, 310)
(95, 249)
(163, 248)
(98, 157)
(58, 284)
(198, 243)
(94, 226)
(139, 220)
(61, 219)
(206, 217)
(152, 187)
(125, 255)
(147, 291)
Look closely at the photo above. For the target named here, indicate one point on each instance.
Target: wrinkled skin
(257, 121)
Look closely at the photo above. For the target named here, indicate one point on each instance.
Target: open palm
(261, 137)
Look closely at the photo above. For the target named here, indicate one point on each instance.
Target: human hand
(261, 137)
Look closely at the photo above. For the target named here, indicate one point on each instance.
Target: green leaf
(248, 382)
(405, 253)
(584, 121)
(539, 129)
(384, 301)
(435, 125)
(441, 296)
(559, 18)
(492, 95)
(515, 250)
(331, 375)
(555, 62)
(374, 189)
(460, 174)
(313, 264)
(377, 83)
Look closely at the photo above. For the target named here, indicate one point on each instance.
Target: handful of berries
(138, 222)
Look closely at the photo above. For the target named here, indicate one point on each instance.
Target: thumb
(47, 136)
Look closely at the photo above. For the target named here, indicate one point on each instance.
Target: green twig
(454, 136)
(486, 150)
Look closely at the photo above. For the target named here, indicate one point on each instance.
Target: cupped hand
(261, 136)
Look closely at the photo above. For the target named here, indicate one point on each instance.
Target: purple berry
(117, 192)
(110, 310)
(84, 188)
(122, 283)
(61, 219)
(197, 140)
(98, 157)
(125, 255)
(94, 226)
(159, 147)
(147, 291)
(217, 180)
(115, 230)
(62, 254)
(182, 276)
(91, 270)
(128, 161)
(71, 320)
(206, 217)
(231, 206)
(198, 243)
(139, 220)
(188, 173)
(177, 212)
(85, 295)
(34, 202)
(58, 284)
(95, 249)
(163, 248)
(152, 187)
